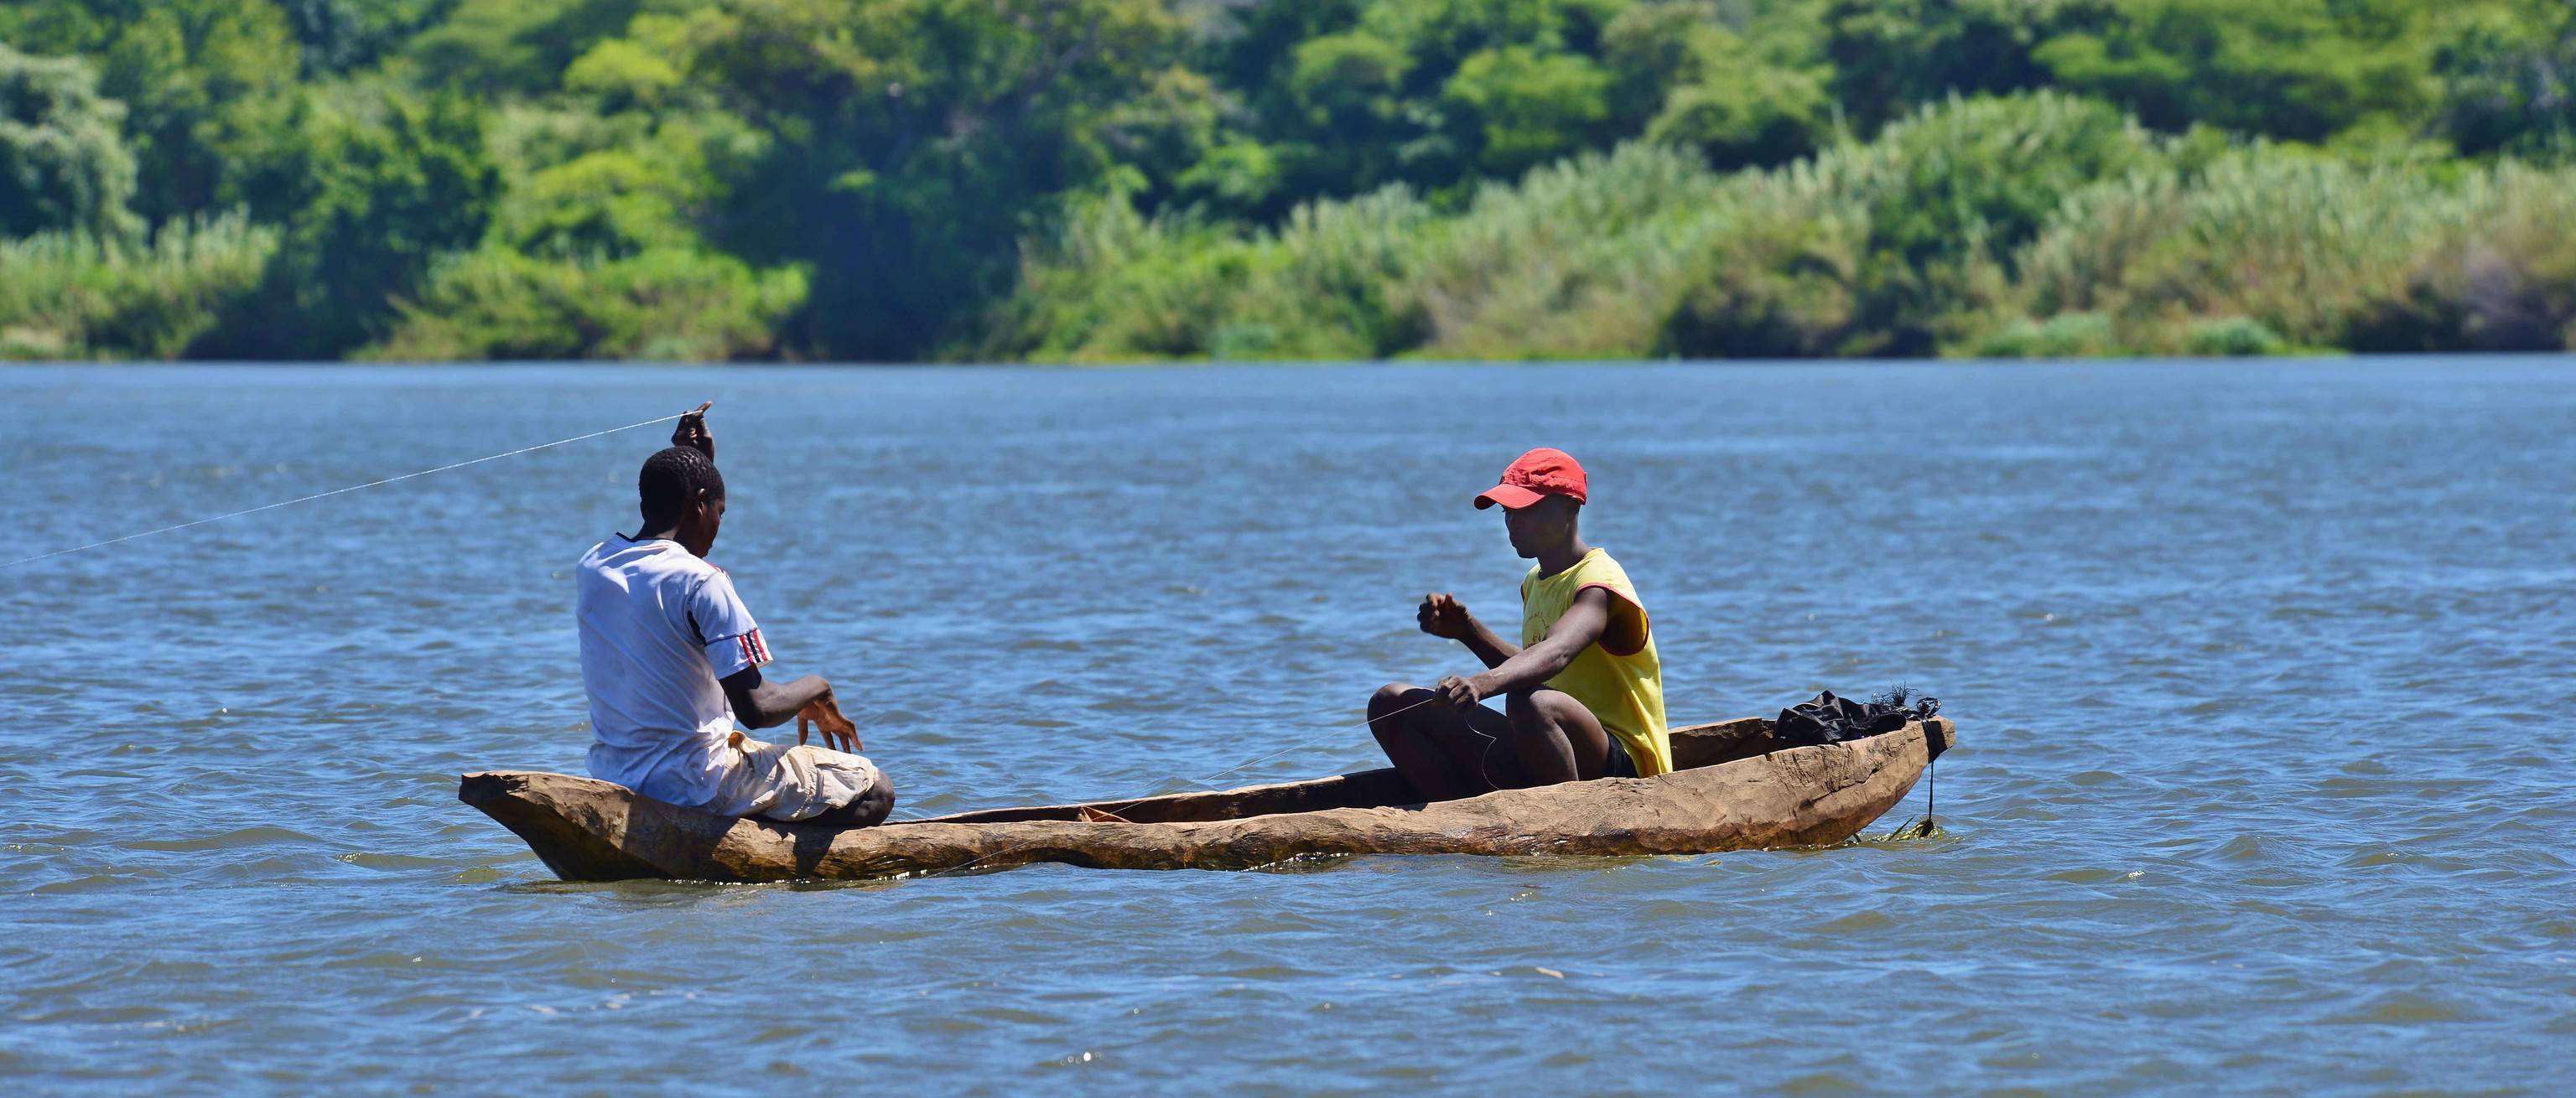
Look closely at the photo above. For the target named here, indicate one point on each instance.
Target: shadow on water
(660, 889)
(1910, 833)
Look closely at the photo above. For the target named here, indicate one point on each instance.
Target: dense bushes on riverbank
(2032, 226)
(74, 294)
(1121, 179)
(2316, 252)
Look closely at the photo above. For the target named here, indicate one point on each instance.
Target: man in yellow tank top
(1583, 691)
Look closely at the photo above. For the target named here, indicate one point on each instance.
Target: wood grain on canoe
(1731, 794)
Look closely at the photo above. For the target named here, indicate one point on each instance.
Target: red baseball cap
(1534, 476)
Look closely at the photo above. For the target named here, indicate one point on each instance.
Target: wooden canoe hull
(1732, 796)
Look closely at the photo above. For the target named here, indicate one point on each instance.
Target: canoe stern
(571, 833)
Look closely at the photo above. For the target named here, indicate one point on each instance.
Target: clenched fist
(1444, 616)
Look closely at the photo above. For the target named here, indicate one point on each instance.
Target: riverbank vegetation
(1106, 180)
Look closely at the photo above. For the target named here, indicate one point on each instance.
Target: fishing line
(1200, 782)
(340, 491)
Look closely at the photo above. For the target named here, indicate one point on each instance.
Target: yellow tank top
(1620, 679)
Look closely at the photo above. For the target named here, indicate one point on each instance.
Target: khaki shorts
(791, 783)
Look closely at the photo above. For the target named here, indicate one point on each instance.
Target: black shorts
(1621, 766)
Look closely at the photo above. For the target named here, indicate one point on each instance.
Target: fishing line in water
(1200, 783)
(339, 491)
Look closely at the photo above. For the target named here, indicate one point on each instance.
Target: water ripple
(2258, 671)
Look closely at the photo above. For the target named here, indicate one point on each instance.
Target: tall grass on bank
(1113, 285)
(1554, 266)
(2272, 248)
(2037, 224)
(1863, 249)
(74, 295)
(667, 304)
(1582, 259)
(1884, 248)
(2500, 277)
(2296, 243)
(1579, 259)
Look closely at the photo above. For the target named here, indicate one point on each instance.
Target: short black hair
(670, 482)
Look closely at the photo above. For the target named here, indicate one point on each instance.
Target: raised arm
(1581, 627)
(694, 433)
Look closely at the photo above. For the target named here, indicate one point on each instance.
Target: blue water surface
(2262, 674)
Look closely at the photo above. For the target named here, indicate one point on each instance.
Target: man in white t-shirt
(671, 660)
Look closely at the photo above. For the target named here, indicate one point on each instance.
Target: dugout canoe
(1734, 790)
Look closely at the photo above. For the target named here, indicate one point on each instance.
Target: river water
(2261, 672)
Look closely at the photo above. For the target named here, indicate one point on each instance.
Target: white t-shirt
(658, 628)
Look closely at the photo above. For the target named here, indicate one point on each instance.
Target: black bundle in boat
(1829, 719)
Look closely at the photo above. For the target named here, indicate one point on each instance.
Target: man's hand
(693, 433)
(824, 715)
(1459, 691)
(1444, 616)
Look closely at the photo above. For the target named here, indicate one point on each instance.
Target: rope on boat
(1932, 774)
(1928, 826)
(337, 491)
(1197, 785)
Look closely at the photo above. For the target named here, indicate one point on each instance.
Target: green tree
(200, 79)
(1683, 77)
(340, 36)
(1253, 53)
(1760, 118)
(374, 202)
(1343, 97)
(1652, 48)
(912, 143)
(1890, 56)
(62, 164)
(2298, 69)
(2509, 81)
(1529, 108)
(522, 46)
